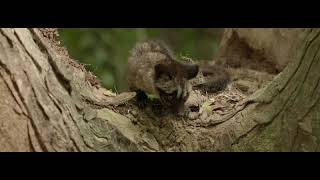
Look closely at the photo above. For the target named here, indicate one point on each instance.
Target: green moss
(105, 51)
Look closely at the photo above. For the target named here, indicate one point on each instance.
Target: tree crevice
(55, 96)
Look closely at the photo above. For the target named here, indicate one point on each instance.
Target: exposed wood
(48, 103)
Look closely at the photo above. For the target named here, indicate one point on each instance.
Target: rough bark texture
(51, 103)
(266, 49)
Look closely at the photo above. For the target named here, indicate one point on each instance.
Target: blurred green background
(105, 51)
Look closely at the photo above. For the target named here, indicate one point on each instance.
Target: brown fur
(215, 78)
(152, 61)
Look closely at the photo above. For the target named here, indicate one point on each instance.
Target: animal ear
(191, 70)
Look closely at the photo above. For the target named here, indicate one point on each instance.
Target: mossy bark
(47, 104)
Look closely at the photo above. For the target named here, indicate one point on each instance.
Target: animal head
(172, 78)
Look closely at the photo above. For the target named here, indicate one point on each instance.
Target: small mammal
(153, 69)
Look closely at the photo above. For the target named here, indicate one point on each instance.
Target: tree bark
(51, 103)
(267, 49)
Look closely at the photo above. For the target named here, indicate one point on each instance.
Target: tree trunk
(51, 103)
(267, 49)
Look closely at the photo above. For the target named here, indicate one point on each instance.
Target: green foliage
(105, 51)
